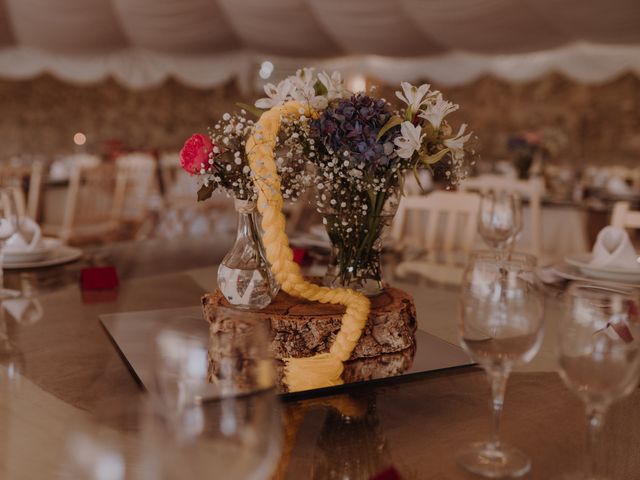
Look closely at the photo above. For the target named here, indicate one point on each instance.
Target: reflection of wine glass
(599, 354)
(499, 219)
(9, 223)
(500, 324)
(213, 403)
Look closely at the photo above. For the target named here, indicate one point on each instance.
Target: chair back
(425, 214)
(28, 180)
(532, 190)
(91, 207)
(624, 217)
(133, 197)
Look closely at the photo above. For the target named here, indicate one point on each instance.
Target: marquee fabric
(207, 42)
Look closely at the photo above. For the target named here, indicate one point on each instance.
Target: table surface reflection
(60, 371)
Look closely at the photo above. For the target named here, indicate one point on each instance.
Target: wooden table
(62, 370)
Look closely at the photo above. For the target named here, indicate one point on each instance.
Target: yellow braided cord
(325, 369)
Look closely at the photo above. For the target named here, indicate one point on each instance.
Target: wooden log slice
(300, 328)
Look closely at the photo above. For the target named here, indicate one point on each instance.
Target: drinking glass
(599, 354)
(501, 326)
(500, 219)
(9, 224)
(213, 406)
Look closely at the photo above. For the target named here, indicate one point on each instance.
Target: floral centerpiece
(361, 148)
(535, 146)
(356, 149)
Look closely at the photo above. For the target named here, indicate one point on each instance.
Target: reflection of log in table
(299, 328)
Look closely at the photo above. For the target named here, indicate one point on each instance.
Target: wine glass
(599, 354)
(501, 326)
(499, 219)
(213, 406)
(9, 225)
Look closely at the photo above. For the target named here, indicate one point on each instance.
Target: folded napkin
(613, 248)
(26, 239)
(618, 186)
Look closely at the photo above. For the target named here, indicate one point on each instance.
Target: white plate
(60, 255)
(35, 255)
(569, 272)
(617, 274)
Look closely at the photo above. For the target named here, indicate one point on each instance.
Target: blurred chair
(181, 213)
(136, 190)
(455, 215)
(624, 217)
(26, 178)
(92, 205)
(531, 190)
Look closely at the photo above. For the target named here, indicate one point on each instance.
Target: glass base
(369, 287)
(487, 460)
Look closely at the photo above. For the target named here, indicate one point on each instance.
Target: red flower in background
(194, 155)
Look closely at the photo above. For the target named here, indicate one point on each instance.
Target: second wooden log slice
(300, 328)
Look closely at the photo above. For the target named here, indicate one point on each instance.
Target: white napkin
(613, 248)
(26, 240)
(618, 186)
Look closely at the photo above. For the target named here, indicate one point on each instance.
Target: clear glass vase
(356, 225)
(244, 276)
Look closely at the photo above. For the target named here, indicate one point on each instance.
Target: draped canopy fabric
(206, 42)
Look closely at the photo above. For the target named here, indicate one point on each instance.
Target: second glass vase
(244, 276)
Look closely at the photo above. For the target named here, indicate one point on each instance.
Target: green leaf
(319, 88)
(394, 121)
(251, 109)
(435, 158)
(206, 191)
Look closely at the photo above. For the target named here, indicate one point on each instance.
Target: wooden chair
(532, 190)
(28, 179)
(624, 217)
(453, 215)
(139, 172)
(92, 205)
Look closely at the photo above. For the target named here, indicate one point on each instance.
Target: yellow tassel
(321, 370)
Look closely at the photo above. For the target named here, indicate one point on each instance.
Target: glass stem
(595, 422)
(498, 381)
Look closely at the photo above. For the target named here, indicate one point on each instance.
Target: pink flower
(194, 155)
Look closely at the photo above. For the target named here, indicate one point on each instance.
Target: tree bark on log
(299, 328)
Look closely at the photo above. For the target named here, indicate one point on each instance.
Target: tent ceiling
(204, 42)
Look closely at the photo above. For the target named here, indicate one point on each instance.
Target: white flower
(413, 96)
(307, 94)
(275, 95)
(435, 112)
(456, 144)
(409, 141)
(333, 84)
(304, 78)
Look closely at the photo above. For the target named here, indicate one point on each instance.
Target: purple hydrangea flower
(349, 129)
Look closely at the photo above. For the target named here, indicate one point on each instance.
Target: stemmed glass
(9, 224)
(501, 326)
(599, 354)
(213, 408)
(500, 219)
